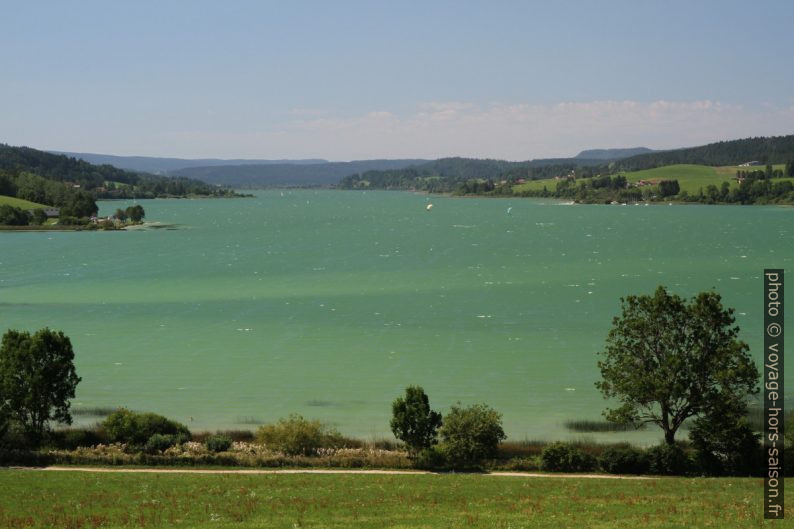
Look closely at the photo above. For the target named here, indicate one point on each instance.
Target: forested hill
(61, 168)
(290, 174)
(467, 175)
(103, 181)
(448, 174)
(766, 150)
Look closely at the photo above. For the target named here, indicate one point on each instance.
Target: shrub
(295, 435)
(431, 458)
(624, 459)
(519, 464)
(218, 443)
(471, 434)
(134, 428)
(160, 442)
(668, 460)
(68, 220)
(561, 457)
(726, 445)
(76, 438)
(235, 435)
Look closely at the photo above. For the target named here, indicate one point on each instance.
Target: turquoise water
(328, 303)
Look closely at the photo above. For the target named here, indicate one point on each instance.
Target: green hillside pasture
(690, 177)
(38, 499)
(536, 185)
(19, 203)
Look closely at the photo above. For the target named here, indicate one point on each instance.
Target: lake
(328, 303)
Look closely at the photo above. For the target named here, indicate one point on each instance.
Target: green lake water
(328, 303)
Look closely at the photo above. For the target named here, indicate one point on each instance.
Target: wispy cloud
(501, 130)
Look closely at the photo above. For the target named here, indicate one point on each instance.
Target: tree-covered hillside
(765, 150)
(102, 181)
(499, 177)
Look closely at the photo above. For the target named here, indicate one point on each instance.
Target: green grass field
(86, 500)
(19, 203)
(690, 177)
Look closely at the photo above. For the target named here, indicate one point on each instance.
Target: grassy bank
(20, 203)
(71, 499)
(690, 177)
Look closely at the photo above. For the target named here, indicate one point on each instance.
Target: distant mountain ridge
(291, 174)
(611, 154)
(161, 165)
(447, 173)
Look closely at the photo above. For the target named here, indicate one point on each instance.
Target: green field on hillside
(36, 499)
(19, 203)
(690, 177)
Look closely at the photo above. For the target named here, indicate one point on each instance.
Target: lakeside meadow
(61, 500)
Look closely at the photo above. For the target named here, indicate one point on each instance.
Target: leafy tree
(37, 379)
(13, 216)
(669, 188)
(413, 422)
(120, 214)
(667, 360)
(471, 434)
(80, 204)
(135, 213)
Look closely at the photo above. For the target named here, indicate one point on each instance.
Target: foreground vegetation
(37, 499)
(647, 383)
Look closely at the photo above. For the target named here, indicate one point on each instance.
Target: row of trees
(133, 213)
(468, 434)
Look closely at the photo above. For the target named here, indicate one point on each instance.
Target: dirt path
(315, 471)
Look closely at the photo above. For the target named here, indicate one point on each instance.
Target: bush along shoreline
(127, 438)
(38, 381)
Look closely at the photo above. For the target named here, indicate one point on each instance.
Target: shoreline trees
(37, 380)
(667, 360)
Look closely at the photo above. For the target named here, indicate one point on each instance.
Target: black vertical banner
(773, 394)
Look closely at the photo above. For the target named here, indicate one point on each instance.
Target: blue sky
(350, 80)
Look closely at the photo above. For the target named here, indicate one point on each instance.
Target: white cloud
(495, 130)
(523, 131)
